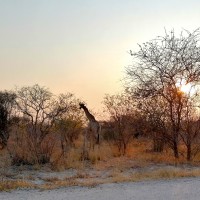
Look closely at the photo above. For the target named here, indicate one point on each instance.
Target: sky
(81, 46)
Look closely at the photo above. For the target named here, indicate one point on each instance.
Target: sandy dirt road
(180, 189)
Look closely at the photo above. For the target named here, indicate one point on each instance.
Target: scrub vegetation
(152, 129)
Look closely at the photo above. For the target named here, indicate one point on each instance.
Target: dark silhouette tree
(160, 68)
(6, 107)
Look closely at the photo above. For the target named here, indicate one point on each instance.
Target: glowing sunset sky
(80, 46)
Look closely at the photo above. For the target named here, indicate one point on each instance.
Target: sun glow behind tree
(187, 88)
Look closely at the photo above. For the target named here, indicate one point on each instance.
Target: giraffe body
(92, 132)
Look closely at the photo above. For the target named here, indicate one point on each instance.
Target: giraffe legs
(90, 140)
(85, 155)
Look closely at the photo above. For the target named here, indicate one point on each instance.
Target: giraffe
(93, 129)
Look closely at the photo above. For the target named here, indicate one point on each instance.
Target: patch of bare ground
(116, 170)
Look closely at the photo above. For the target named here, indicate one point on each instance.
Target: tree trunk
(158, 142)
(189, 151)
(175, 148)
(158, 145)
(124, 149)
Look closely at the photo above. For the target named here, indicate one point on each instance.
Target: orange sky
(81, 46)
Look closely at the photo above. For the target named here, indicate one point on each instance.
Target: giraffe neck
(89, 115)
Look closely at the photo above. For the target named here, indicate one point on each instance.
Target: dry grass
(100, 153)
(166, 174)
(142, 150)
(155, 175)
(118, 177)
(5, 162)
(73, 157)
(11, 185)
(50, 179)
(104, 166)
(58, 184)
(85, 180)
(81, 175)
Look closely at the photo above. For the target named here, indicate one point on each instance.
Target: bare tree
(160, 68)
(154, 117)
(121, 110)
(41, 109)
(70, 126)
(190, 129)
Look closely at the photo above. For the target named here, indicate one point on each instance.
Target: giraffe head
(82, 105)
